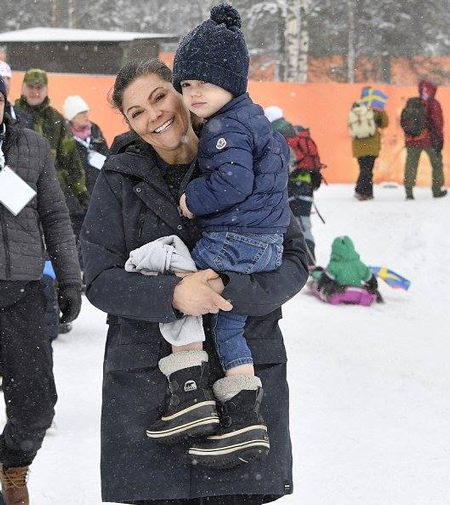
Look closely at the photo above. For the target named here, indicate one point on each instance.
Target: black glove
(372, 287)
(69, 300)
(316, 179)
(327, 286)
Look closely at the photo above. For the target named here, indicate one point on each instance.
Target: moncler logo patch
(221, 143)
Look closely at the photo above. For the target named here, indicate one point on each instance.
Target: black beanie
(3, 87)
(214, 52)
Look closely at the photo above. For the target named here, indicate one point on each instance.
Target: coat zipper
(6, 148)
(5, 244)
(141, 221)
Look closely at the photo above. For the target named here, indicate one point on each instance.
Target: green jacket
(49, 123)
(284, 127)
(372, 145)
(345, 267)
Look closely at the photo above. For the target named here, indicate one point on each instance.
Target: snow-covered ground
(370, 387)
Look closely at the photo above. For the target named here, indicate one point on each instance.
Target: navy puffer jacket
(244, 166)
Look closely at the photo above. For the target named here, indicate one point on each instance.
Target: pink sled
(353, 296)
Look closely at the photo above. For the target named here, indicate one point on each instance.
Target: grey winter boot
(190, 407)
(242, 436)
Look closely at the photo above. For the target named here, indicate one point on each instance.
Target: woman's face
(155, 111)
(81, 120)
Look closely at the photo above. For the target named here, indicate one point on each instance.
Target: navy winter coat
(244, 166)
(130, 206)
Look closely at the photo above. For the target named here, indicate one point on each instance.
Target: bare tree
(303, 49)
(292, 39)
(351, 54)
(263, 12)
(292, 36)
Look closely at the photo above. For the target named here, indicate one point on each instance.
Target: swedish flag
(374, 97)
(389, 277)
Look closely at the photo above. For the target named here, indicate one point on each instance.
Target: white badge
(15, 193)
(96, 159)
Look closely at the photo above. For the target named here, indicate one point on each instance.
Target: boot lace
(15, 478)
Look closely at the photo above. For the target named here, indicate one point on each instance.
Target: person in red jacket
(430, 140)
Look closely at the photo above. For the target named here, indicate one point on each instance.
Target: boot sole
(233, 448)
(243, 454)
(195, 421)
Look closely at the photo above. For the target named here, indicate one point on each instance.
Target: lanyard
(86, 143)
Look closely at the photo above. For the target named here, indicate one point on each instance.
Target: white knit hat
(5, 69)
(273, 113)
(74, 105)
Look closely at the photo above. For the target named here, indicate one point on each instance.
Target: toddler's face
(203, 98)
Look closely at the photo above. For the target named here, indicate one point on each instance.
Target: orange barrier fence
(321, 107)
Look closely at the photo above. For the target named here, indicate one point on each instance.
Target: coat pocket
(265, 340)
(132, 345)
(131, 332)
(132, 357)
(267, 351)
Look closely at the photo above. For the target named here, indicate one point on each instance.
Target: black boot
(440, 193)
(241, 438)
(189, 407)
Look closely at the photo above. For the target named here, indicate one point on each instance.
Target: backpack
(306, 156)
(414, 117)
(361, 121)
(305, 151)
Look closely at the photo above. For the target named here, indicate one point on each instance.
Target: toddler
(240, 201)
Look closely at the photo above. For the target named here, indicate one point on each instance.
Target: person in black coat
(92, 150)
(26, 358)
(135, 202)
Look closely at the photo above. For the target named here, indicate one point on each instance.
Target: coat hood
(343, 249)
(427, 90)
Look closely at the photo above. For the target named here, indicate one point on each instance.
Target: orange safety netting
(323, 107)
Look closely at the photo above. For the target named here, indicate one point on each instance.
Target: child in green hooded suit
(345, 269)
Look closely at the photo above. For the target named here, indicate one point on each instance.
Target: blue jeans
(242, 253)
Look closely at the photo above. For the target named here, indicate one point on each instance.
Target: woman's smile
(164, 127)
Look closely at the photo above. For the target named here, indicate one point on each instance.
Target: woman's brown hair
(134, 69)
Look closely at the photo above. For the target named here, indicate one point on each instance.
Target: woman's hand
(194, 296)
(184, 208)
(217, 284)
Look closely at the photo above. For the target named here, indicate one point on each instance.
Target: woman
(92, 149)
(134, 202)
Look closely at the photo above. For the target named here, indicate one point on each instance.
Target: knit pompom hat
(214, 52)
